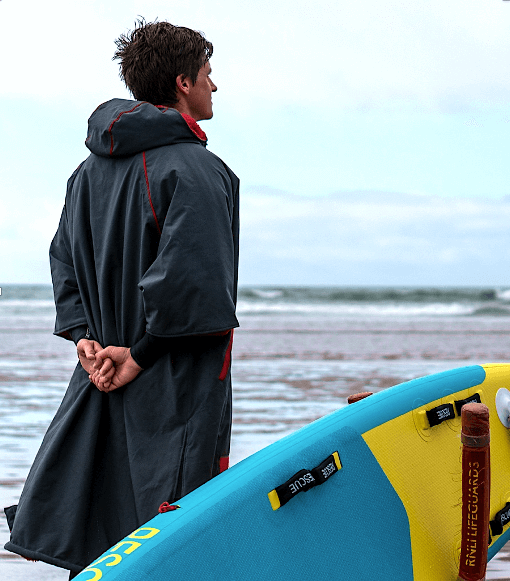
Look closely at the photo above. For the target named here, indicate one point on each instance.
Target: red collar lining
(192, 124)
(195, 127)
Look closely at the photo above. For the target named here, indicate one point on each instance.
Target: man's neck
(183, 109)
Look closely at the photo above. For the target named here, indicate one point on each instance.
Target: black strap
(303, 480)
(475, 398)
(325, 469)
(500, 520)
(440, 414)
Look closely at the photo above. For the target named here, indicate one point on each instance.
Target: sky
(371, 137)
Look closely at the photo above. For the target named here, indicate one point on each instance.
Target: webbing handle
(304, 480)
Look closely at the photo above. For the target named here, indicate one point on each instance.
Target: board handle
(304, 480)
(475, 437)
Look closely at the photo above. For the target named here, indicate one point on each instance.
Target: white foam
(359, 309)
(503, 295)
(267, 294)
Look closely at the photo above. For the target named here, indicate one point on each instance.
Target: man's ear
(183, 83)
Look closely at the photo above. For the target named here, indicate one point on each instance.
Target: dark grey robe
(148, 241)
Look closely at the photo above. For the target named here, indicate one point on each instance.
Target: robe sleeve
(190, 287)
(150, 348)
(68, 303)
(81, 332)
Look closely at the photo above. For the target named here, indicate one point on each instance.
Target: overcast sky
(371, 137)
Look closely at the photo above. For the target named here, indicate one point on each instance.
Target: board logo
(115, 556)
(329, 470)
(440, 414)
(505, 517)
(443, 414)
(472, 514)
(301, 483)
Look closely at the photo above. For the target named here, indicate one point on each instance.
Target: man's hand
(87, 350)
(115, 366)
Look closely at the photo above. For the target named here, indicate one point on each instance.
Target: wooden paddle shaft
(475, 437)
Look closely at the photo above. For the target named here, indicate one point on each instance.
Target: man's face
(199, 99)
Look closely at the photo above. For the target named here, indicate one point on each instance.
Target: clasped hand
(108, 368)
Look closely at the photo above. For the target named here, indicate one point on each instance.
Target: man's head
(160, 63)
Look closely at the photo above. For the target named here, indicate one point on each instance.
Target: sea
(298, 354)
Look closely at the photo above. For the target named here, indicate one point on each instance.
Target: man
(144, 261)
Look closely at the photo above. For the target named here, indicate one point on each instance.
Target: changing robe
(148, 241)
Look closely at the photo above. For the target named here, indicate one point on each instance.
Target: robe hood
(121, 127)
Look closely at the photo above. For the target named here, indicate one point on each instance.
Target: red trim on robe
(228, 357)
(223, 463)
(149, 194)
(115, 121)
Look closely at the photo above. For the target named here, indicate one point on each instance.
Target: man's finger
(108, 376)
(87, 349)
(106, 367)
(94, 378)
(100, 356)
(104, 353)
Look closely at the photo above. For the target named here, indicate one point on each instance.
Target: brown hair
(154, 54)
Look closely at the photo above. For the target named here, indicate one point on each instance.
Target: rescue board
(371, 491)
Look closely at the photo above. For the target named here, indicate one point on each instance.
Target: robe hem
(195, 333)
(13, 548)
(59, 332)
